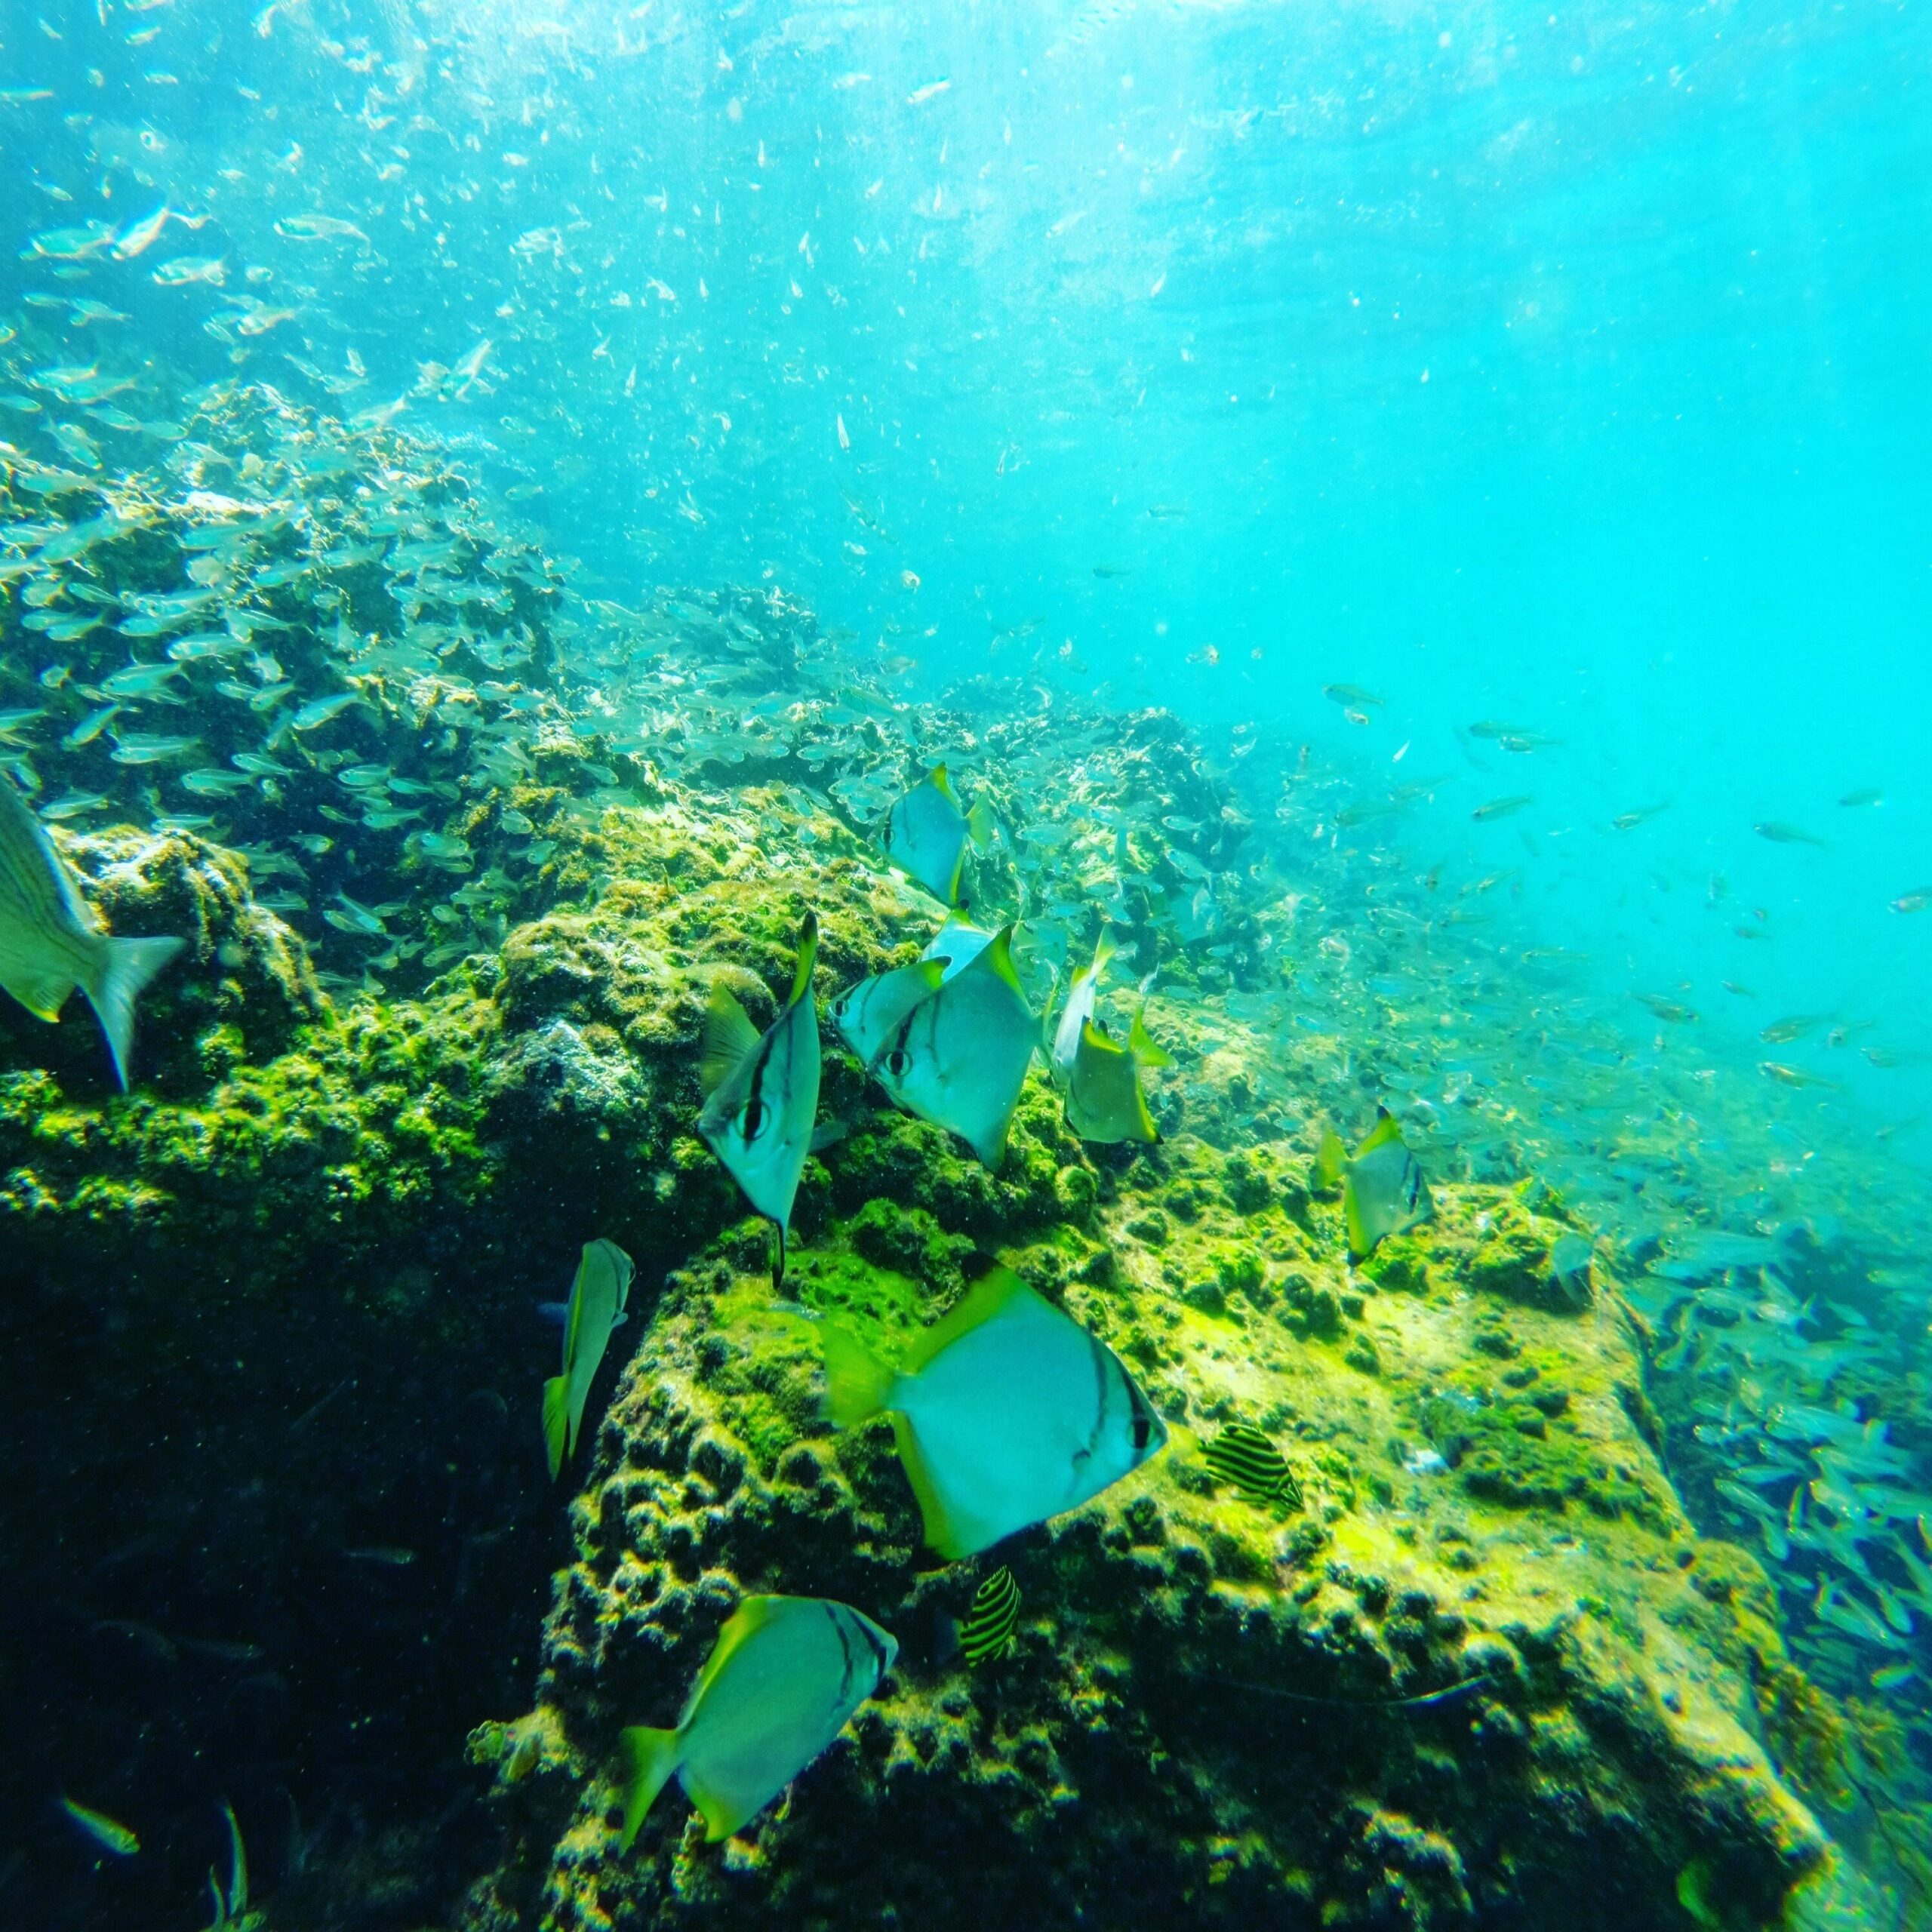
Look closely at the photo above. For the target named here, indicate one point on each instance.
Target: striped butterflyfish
(1244, 1459)
(989, 1628)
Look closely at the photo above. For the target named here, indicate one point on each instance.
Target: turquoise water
(1505, 429)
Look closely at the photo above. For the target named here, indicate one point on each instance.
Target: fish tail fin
(979, 824)
(650, 1758)
(856, 1382)
(1143, 1046)
(130, 964)
(556, 1420)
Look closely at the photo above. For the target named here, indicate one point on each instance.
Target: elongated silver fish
(51, 942)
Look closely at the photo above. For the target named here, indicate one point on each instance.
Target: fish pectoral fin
(42, 994)
(650, 1757)
(556, 1421)
(729, 1036)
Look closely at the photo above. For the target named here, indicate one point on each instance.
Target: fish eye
(898, 1061)
(1142, 1429)
(750, 1122)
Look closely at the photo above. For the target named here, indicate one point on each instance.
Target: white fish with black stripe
(959, 1059)
(1006, 1412)
(1383, 1192)
(761, 1093)
(786, 1673)
(50, 941)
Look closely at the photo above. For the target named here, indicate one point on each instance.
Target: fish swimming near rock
(868, 1014)
(785, 1675)
(1246, 1459)
(1383, 1192)
(51, 942)
(1006, 1412)
(762, 1093)
(988, 1630)
(1105, 1103)
(926, 833)
(959, 1059)
(1081, 998)
(594, 1311)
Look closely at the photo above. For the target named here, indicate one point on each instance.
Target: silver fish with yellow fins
(1006, 1412)
(926, 833)
(594, 1310)
(1383, 1192)
(50, 941)
(761, 1093)
(1104, 1101)
(785, 1675)
(868, 1014)
(959, 1059)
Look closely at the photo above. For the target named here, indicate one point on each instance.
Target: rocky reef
(269, 1356)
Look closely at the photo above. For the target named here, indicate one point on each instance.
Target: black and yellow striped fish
(1245, 1459)
(988, 1630)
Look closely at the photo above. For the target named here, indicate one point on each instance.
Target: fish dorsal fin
(941, 784)
(744, 1624)
(1386, 1128)
(1093, 1040)
(998, 957)
(1143, 1045)
(995, 1290)
(729, 1036)
(801, 979)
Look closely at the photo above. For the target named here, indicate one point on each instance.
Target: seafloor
(275, 1521)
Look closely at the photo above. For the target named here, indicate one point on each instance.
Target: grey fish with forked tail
(51, 942)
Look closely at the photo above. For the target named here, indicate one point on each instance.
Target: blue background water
(1560, 368)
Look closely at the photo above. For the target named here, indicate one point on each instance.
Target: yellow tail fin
(556, 1420)
(650, 1758)
(856, 1383)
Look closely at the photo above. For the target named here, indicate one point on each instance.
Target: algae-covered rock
(1421, 1700)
